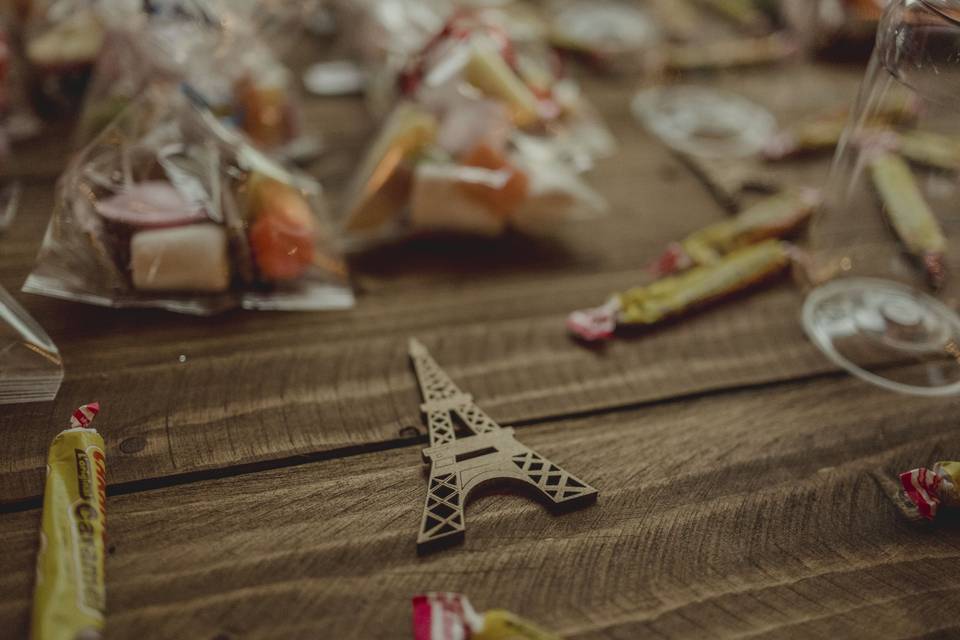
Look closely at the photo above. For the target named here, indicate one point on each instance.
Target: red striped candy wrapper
(928, 489)
(84, 415)
(444, 616)
(450, 616)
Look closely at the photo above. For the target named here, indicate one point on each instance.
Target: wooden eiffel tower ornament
(460, 465)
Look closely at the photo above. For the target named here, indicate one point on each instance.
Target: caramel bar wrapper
(70, 598)
(909, 214)
(777, 216)
(679, 294)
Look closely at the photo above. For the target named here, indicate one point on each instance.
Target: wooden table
(265, 471)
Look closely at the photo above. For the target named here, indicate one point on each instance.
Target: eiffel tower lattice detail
(491, 453)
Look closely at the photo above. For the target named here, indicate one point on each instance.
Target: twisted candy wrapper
(450, 616)
(928, 489)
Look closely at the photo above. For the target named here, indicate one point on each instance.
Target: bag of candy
(612, 34)
(216, 53)
(30, 366)
(383, 32)
(61, 40)
(280, 23)
(486, 136)
(169, 208)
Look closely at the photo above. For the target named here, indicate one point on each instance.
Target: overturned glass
(883, 264)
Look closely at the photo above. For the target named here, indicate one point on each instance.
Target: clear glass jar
(883, 257)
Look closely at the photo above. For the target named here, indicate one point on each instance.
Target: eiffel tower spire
(458, 466)
(435, 385)
(442, 400)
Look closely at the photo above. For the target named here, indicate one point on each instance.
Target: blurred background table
(265, 471)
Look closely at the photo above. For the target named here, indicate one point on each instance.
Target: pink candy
(150, 204)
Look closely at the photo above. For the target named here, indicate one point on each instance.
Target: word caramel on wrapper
(450, 616)
(929, 489)
(70, 597)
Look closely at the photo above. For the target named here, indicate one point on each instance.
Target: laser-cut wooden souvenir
(458, 466)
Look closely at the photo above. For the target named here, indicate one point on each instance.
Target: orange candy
(283, 233)
(505, 199)
(265, 117)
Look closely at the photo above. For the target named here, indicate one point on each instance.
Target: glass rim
(941, 9)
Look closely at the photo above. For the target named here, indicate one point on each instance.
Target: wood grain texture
(259, 387)
(747, 515)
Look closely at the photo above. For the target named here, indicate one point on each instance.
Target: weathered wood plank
(318, 387)
(743, 515)
(258, 387)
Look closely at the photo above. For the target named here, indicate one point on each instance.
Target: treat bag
(18, 122)
(264, 100)
(15, 124)
(126, 65)
(613, 35)
(279, 23)
(159, 41)
(61, 40)
(237, 70)
(384, 34)
(485, 138)
(218, 55)
(30, 366)
(484, 53)
(169, 208)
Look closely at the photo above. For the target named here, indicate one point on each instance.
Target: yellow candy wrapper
(930, 150)
(70, 598)
(909, 214)
(450, 616)
(503, 625)
(778, 216)
(676, 295)
(679, 294)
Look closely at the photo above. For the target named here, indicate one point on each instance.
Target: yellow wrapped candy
(70, 598)
(503, 625)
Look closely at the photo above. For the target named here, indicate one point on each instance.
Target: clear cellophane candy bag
(485, 136)
(215, 52)
(17, 122)
(169, 208)
(30, 366)
(61, 40)
(385, 33)
(279, 23)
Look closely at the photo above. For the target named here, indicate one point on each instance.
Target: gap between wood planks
(217, 473)
(741, 514)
